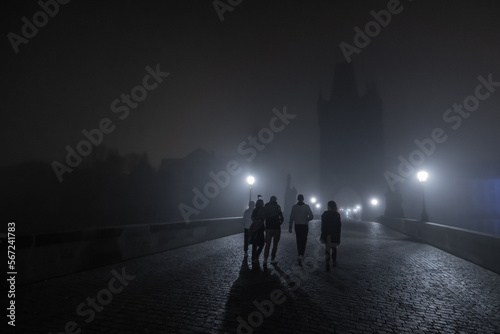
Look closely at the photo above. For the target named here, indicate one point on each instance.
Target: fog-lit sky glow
(225, 77)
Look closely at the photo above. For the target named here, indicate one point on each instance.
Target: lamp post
(422, 178)
(250, 181)
(313, 200)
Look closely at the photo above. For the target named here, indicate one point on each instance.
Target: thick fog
(146, 112)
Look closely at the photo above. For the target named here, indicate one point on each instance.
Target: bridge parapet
(45, 255)
(479, 248)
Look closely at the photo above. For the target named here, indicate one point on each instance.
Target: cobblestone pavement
(384, 283)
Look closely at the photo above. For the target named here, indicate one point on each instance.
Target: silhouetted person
(330, 233)
(274, 219)
(301, 214)
(256, 230)
(247, 222)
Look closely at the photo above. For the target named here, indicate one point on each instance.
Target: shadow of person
(250, 301)
(270, 300)
(244, 269)
(291, 282)
(256, 267)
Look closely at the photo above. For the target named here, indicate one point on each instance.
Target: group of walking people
(260, 218)
(262, 226)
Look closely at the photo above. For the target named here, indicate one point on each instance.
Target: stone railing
(45, 255)
(479, 248)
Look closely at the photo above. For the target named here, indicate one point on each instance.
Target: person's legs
(259, 243)
(276, 239)
(259, 249)
(301, 234)
(297, 238)
(301, 241)
(327, 253)
(334, 255)
(254, 250)
(327, 257)
(306, 231)
(269, 236)
(245, 242)
(301, 238)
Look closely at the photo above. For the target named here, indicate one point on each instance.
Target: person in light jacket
(301, 215)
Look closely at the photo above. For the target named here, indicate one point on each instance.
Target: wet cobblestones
(384, 283)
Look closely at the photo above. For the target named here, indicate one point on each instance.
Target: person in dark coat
(330, 233)
(256, 230)
(247, 222)
(274, 219)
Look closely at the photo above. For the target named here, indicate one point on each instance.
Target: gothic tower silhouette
(351, 141)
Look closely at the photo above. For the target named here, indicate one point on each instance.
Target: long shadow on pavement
(268, 300)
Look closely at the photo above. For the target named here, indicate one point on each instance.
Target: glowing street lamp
(313, 200)
(422, 178)
(374, 202)
(250, 181)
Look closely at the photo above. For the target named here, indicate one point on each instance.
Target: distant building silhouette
(351, 141)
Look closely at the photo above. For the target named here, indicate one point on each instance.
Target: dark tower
(351, 141)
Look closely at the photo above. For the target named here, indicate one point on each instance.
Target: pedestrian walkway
(384, 283)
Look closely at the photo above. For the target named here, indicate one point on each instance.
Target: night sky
(225, 77)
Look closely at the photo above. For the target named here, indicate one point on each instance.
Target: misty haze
(138, 139)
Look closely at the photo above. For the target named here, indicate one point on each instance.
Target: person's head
(300, 198)
(273, 199)
(259, 204)
(251, 204)
(332, 206)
